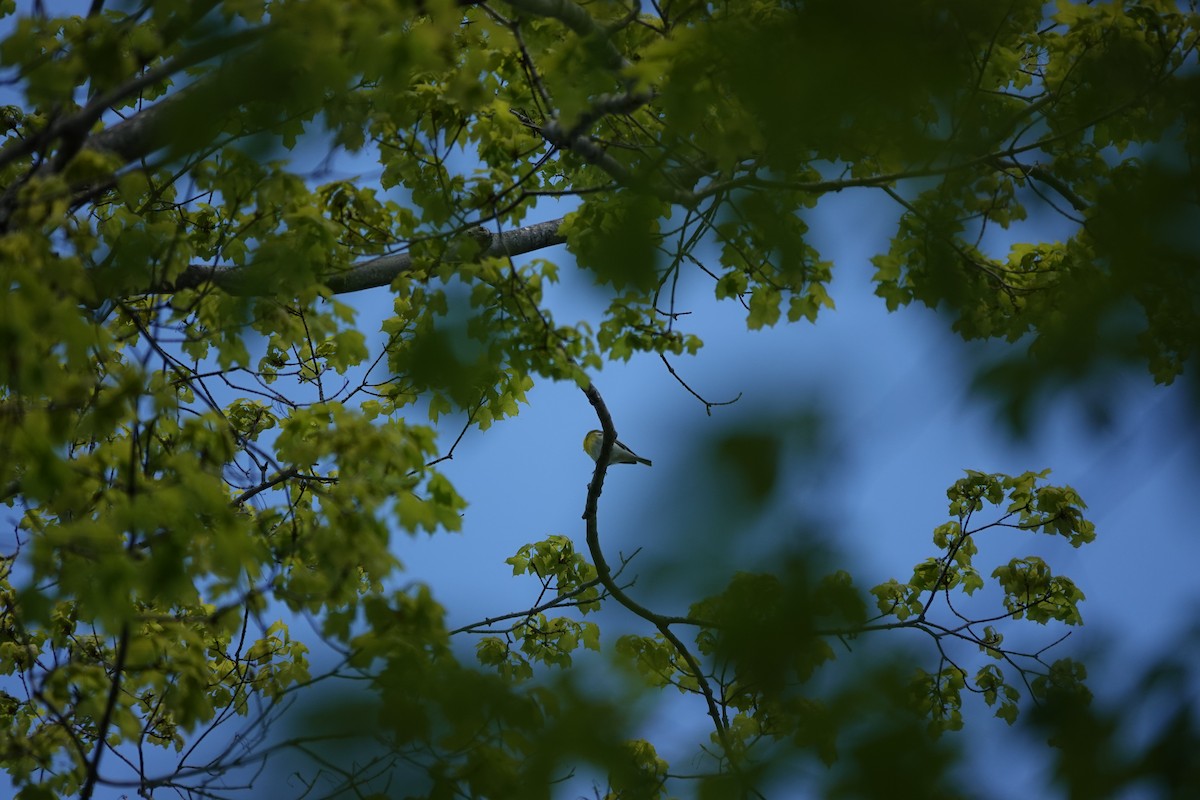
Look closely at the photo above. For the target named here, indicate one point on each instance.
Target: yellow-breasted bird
(620, 453)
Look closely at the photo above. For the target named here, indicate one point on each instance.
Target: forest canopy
(202, 446)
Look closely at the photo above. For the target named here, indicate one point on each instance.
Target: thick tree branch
(74, 126)
(374, 273)
(580, 22)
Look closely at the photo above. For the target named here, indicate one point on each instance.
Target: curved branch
(709, 405)
(604, 573)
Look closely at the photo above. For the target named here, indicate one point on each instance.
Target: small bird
(620, 453)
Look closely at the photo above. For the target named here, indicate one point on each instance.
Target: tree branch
(556, 602)
(604, 573)
(110, 705)
(578, 20)
(368, 274)
(1039, 173)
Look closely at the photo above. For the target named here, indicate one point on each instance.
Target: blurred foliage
(201, 449)
(1141, 742)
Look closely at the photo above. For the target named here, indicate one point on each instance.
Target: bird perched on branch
(620, 453)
